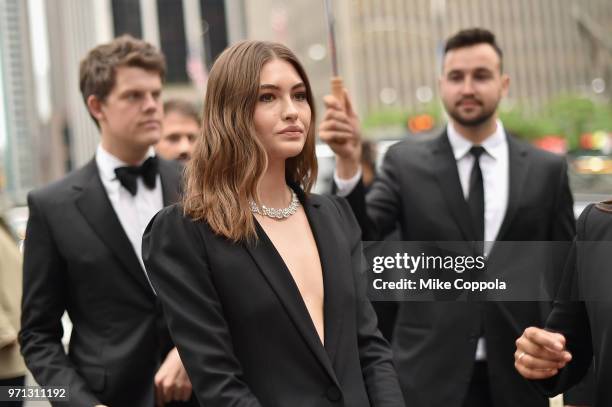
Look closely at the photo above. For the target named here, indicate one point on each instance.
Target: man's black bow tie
(129, 175)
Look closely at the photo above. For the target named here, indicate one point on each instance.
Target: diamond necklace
(282, 213)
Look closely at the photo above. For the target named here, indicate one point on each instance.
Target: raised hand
(340, 129)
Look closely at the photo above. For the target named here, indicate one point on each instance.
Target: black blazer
(584, 309)
(79, 259)
(434, 344)
(241, 326)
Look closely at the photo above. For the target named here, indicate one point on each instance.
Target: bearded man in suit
(472, 183)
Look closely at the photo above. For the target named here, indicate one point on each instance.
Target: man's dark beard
(476, 121)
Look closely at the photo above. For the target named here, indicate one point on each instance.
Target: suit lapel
(272, 266)
(519, 165)
(170, 175)
(330, 245)
(94, 205)
(445, 170)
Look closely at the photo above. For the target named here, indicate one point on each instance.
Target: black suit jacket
(79, 259)
(242, 328)
(434, 344)
(583, 311)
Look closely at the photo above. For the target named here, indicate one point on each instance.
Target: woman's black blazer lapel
(334, 252)
(328, 239)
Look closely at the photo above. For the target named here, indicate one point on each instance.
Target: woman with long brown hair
(259, 278)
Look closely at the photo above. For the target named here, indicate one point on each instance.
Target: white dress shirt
(494, 164)
(134, 212)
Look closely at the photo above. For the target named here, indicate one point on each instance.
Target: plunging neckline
(262, 234)
(339, 284)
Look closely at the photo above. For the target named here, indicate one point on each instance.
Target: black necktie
(475, 199)
(129, 175)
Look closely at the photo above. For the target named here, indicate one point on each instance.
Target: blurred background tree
(568, 117)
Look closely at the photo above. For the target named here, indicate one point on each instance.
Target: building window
(215, 39)
(172, 39)
(126, 18)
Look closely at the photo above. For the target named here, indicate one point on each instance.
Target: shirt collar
(494, 145)
(107, 162)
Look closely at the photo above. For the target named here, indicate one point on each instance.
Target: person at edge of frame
(180, 128)
(12, 367)
(558, 357)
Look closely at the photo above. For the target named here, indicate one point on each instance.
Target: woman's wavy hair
(228, 160)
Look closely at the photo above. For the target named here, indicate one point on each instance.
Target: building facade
(189, 32)
(390, 50)
(19, 127)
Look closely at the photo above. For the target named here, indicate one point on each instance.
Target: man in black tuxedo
(473, 183)
(83, 247)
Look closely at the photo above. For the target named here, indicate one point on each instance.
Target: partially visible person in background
(180, 126)
(12, 367)
(577, 332)
(368, 163)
